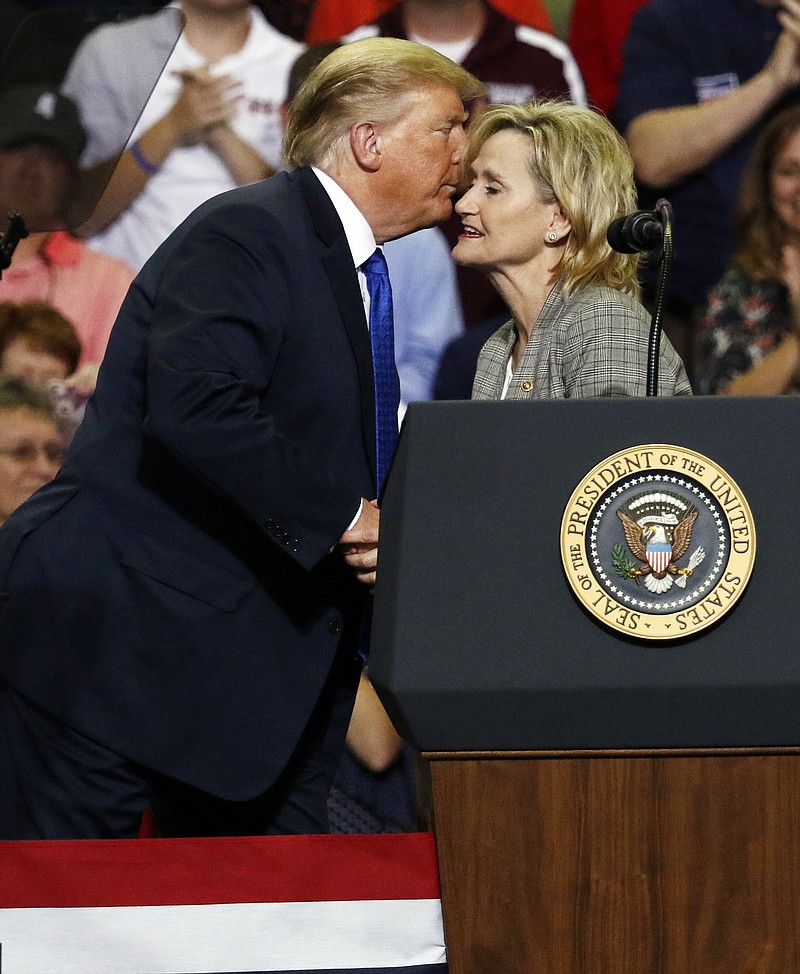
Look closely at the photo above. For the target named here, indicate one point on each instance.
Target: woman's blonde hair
(365, 80)
(577, 159)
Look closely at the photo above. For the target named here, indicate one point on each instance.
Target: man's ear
(365, 146)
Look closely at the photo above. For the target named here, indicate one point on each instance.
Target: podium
(602, 803)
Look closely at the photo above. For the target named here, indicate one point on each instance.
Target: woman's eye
(492, 190)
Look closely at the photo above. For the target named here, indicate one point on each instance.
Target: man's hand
(359, 545)
(669, 144)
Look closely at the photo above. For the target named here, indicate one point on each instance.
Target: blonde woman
(546, 180)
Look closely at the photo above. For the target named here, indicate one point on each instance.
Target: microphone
(14, 232)
(642, 230)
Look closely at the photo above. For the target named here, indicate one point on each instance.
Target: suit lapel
(338, 263)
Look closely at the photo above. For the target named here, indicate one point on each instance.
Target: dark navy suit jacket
(172, 594)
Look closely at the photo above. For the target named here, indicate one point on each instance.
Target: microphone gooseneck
(632, 234)
(665, 215)
(14, 232)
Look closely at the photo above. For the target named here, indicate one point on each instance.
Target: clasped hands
(206, 102)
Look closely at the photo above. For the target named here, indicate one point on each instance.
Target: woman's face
(785, 185)
(505, 222)
(33, 364)
(30, 455)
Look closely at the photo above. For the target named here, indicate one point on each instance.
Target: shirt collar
(360, 238)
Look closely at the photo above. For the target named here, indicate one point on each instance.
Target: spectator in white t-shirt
(212, 121)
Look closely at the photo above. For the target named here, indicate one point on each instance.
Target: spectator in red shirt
(597, 31)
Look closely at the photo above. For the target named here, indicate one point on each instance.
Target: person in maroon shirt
(517, 63)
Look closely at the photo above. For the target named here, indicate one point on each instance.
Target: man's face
(34, 179)
(421, 157)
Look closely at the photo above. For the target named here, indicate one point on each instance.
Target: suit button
(527, 385)
(269, 524)
(334, 628)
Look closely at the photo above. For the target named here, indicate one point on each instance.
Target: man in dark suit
(182, 607)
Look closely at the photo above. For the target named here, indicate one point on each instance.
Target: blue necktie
(387, 383)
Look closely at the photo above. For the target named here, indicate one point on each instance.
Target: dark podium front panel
(479, 644)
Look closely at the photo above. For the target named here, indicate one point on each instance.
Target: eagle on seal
(658, 529)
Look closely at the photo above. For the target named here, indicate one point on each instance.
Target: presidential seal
(658, 542)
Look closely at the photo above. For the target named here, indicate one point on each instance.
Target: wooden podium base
(661, 862)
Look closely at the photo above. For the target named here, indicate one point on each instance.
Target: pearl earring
(552, 237)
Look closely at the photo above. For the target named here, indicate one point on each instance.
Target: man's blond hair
(364, 81)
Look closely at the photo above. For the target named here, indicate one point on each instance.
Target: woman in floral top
(750, 331)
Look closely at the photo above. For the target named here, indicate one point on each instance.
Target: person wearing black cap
(41, 139)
